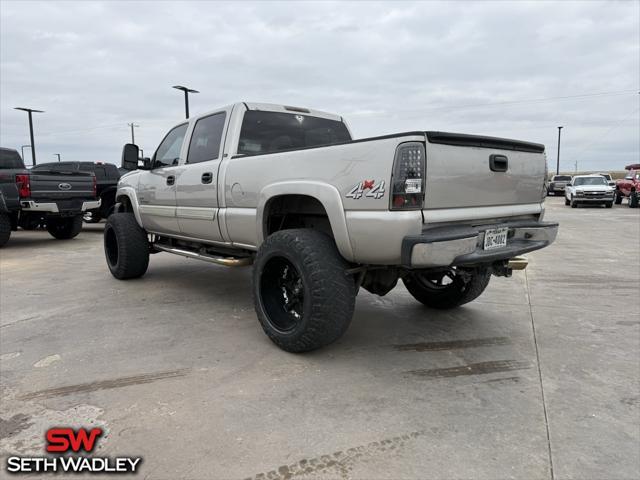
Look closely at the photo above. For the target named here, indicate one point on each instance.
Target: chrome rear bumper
(463, 245)
(52, 207)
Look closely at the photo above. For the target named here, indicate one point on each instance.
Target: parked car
(107, 176)
(558, 184)
(610, 181)
(56, 199)
(320, 214)
(628, 185)
(588, 189)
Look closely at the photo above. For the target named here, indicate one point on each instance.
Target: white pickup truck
(320, 215)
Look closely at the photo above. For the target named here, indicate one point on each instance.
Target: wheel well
(125, 204)
(295, 211)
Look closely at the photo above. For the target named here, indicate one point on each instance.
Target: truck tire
(303, 296)
(64, 228)
(618, 198)
(126, 247)
(5, 228)
(566, 201)
(609, 205)
(431, 290)
(574, 204)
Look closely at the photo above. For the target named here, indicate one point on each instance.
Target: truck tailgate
(472, 171)
(61, 185)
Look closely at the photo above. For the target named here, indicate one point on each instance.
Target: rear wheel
(447, 289)
(5, 228)
(64, 228)
(126, 247)
(303, 296)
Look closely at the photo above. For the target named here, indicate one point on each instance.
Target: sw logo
(65, 440)
(369, 186)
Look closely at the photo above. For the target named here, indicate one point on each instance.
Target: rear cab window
(10, 160)
(268, 132)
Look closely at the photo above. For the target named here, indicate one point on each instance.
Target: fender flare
(130, 193)
(326, 194)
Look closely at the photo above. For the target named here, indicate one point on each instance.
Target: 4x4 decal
(369, 186)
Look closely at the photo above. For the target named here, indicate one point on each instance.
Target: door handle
(171, 179)
(498, 163)
(207, 177)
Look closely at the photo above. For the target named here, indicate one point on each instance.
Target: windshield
(562, 178)
(10, 159)
(590, 181)
(267, 132)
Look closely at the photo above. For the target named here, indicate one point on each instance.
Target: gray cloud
(461, 66)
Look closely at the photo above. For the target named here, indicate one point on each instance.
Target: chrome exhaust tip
(517, 263)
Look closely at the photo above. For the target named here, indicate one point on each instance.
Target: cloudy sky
(511, 69)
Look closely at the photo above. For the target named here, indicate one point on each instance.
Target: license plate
(495, 238)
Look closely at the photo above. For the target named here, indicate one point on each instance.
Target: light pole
(22, 150)
(33, 147)
(558, 160)
(133, 137)
(186, 91)
(58, 155)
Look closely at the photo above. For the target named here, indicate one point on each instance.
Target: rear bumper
(463, 245)
(52, 207)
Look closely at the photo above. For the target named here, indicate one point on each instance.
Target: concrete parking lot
(539, 378)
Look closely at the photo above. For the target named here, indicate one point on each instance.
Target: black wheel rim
(282, 294)
(439, 281)
(111, 246)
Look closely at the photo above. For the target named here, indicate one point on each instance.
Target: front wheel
(126, 246)
(574, 204)
(447, 288)
(64, 228)
(566, 201)
(609, 205)
(618, 198)
(5, 228)
(303, 296)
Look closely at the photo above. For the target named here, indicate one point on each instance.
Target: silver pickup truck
(320, 215)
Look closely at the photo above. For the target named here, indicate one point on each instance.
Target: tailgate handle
(498, 163)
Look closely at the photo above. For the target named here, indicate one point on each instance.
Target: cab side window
(168, 152)
(206, 138)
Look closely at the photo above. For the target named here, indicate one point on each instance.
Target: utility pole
(576, 166)
(58, 155)
(132, 125)
(186, 91)
(558, 160)
(33, 147)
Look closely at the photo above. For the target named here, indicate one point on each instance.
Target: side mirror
(130, 155)
(146, 163)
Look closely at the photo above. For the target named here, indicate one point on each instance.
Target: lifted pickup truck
(54, 198)
(320, 214)
(629, 186)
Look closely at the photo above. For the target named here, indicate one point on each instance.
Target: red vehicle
(629, 184)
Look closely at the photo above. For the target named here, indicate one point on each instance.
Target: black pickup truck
(107, 176)
(56, 199)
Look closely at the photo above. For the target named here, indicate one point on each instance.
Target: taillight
(407, 179)
(24, 186)
(95, 187)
